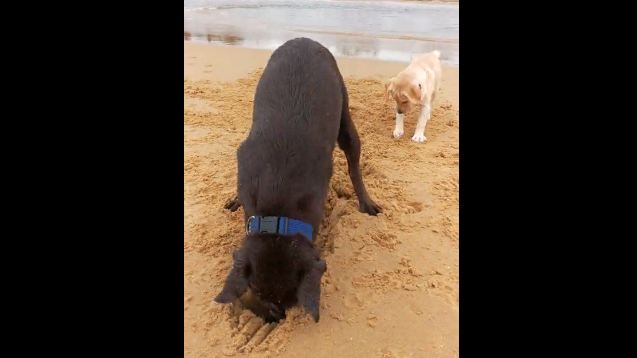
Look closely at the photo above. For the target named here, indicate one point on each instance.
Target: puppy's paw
(398, 132)
(419, 138)
(370, 207)
(232, 204)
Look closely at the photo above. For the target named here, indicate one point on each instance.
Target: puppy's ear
(237, 280)
(415, 93)
(389, 88)
(309, 293)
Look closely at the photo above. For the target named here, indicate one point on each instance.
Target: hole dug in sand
(249, 333)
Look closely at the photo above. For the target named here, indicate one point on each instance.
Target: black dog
(285, 165)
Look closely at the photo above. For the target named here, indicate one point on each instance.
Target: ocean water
(386, 30)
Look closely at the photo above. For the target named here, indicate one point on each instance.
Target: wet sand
(203, 62)
(391, 288)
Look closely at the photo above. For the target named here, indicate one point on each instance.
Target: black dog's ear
(237, 280)
(309, 293)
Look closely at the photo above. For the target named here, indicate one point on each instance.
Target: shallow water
(385, 30)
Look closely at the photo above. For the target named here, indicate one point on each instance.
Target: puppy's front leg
(425, 114)
(400, 121)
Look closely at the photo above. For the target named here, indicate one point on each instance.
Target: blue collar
(278, 225)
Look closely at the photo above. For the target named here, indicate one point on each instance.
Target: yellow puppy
(416, 85)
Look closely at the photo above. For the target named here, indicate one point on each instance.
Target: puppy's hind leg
(232, 204)
(349, 142)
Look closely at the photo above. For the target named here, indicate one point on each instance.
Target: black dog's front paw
(370, 207)
(232, 204)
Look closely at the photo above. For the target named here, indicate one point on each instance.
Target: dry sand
(391, 287)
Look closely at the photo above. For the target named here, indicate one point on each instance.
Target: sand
(391, 287)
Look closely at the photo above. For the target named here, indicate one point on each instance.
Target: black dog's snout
(275, 313)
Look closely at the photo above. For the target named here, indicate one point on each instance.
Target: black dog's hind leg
(349, 142)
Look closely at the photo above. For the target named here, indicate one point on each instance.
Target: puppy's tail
(436, 53)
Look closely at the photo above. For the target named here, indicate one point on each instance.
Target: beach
(391, 286)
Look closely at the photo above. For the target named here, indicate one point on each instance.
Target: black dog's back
(300, 94)
(286, 161)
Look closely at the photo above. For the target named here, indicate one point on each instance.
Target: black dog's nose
(399, 111)
(275, 313)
